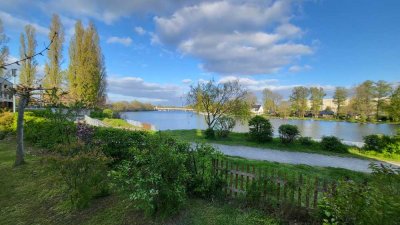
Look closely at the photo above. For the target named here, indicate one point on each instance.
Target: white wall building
(6, 99)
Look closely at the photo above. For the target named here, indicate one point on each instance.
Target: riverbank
(333, 120)
(241, 139)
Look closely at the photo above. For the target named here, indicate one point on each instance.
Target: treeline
(131, 106)
(83, 81)
(369, 101)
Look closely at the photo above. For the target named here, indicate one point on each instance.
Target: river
(177, 120)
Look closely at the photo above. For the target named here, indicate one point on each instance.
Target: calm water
(175, 120)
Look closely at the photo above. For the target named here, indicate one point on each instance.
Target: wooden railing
(270, 185)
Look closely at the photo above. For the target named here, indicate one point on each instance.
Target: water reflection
(175, 120)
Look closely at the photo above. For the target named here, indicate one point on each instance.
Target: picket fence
(271, 185)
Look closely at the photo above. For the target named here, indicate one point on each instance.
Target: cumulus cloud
(257, 38)
(18, 24)
(297, 68)
(140, 30)
(127, 41)
(137, 88)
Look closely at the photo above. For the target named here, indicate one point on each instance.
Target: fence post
(299, 189)
(307, 182)
(316, 193)
(241, 177)
(236, 179)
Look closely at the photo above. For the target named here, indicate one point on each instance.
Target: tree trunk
(20, 129)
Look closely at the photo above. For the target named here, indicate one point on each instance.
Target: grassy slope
(30, 194)
(242, 139)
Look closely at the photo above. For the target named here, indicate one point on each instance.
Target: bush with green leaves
(224, 126)
(306, 141)
(333, 144)
(105, 113)
(209, 133)
(83, 172)
(6, 123)
(288, 133)
(376, 142)
(155, 178)
(260, 129)
(374, 202)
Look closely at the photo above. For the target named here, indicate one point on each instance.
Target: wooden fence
(273, 186)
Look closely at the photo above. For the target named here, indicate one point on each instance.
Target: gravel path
(311, 159)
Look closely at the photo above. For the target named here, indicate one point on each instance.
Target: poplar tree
(53, 75)
(298, 100)
(316, 98)
(86, 72)
(27, 49)
(271, 101)
(3, 47)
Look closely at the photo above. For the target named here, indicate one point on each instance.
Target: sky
(155, 49)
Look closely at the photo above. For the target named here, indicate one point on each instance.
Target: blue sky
(155, 49)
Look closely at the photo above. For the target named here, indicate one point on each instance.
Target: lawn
(238, 139)
(30, 194)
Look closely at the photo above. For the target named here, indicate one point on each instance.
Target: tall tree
(382, 92)
(284, 109)
(27, 49)
(3, 47)
(271, 100)
(250, 98)
(298, 99)
(216, 100)
(86, 72)
(53, 75)
(362, 100)
(339, 98)
(316, 98)
(394, 107)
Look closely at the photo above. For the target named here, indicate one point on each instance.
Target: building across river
(6, 99)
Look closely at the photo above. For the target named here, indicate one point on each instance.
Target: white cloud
(18, 24)
(235, 43)
(297, 68)
(140, 30)
(186, 81)
(137, 88)
(127, 41)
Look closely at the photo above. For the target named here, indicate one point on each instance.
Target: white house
(257, 109)
(6, 99)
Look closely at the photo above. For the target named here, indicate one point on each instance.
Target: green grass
(30, 194)
(326, 173)
(119, 123)
(241, 139)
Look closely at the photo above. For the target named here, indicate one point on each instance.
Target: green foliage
(83, 171)
(224, 126)
(6, 123)
(202, 181)
(155, 178)
(27, 48)
(307, 141)
(260, 129)
(375, 202)
(376, 142)
(116, 143)
(101, 114)
(209, 133)
(333, 144)
(288, 133)
(298, 99)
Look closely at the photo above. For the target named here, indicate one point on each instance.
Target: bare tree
(218, 99)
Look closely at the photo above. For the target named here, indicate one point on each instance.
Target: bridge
(173, 109)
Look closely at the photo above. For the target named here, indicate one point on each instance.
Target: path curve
(311, 159)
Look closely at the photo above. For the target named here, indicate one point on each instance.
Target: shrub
(333, 144)
(101, 114)
(6, 123)
(392, 148)
(376, 142)
(288, 133)
(155, 179)
(307, 141)
(375, 202)
(83, 172)
(209, 133)
(224, 126)
(260, 129)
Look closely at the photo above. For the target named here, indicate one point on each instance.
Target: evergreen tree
(339, 98)
(27, 49)
(298, 99)
(53, 74)
(316, 98)
(3, 47)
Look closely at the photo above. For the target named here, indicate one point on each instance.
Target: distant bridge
(173, 109)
